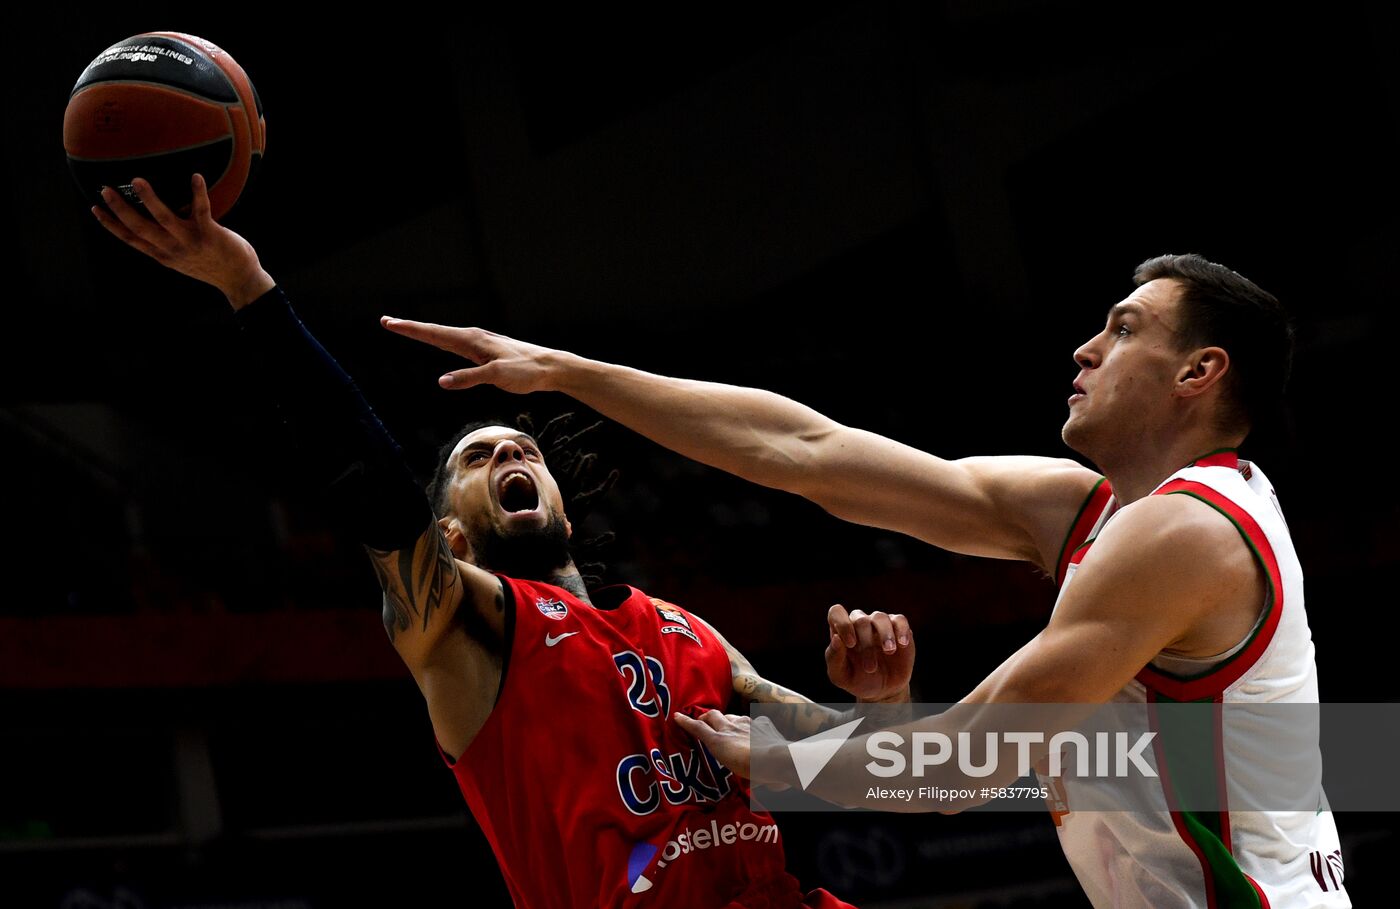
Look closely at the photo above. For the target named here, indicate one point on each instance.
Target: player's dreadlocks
(582, 480)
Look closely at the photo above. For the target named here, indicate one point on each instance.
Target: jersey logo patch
(676, 629)
(553, 609)
(681, 626)
(671, 615)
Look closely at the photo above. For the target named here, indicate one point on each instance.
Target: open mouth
(517, 493)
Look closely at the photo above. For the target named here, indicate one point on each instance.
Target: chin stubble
(533, 553)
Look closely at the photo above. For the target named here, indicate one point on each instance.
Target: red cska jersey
(588, 791)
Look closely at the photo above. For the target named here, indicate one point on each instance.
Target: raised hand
(871, 656)
(515, 366)
(197, 246)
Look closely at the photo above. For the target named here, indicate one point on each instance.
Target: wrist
(901, 696)
(248, 288)
(566, 372)
(773, 765)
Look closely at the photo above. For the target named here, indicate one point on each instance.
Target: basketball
(163, 106)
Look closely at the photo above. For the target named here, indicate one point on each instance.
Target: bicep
(424, 587)
(1010, 507)
(447, 620)
(1140, 589)
(1074, 662)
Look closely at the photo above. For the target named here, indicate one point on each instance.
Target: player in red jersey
(552, 705)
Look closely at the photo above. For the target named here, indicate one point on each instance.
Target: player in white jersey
(1157, 856)
(1191, 592)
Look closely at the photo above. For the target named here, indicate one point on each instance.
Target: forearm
(758, 435)
(338, 440)
(968, 506)
(947, 759)
(802, 717)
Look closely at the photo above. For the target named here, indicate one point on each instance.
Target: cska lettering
(683, 776)
(644, 780)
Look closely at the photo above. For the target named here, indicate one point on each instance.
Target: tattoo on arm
(806, 717)
(416, 581)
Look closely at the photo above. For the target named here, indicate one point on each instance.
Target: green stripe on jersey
(1188, 736)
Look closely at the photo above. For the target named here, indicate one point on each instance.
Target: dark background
(907, 215)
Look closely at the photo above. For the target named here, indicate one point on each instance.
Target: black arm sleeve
(339, 440)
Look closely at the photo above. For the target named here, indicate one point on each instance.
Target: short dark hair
(1222, 308)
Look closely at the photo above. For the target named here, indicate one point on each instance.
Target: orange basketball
(164, 106)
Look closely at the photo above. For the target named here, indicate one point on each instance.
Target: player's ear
(452, 529)
(1207, 366)
(568, 528)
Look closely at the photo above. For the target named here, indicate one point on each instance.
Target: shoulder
(665, 606)
(528, 600)
(670, 613)
(1167, 528)
(739, 664)
(1163, 550)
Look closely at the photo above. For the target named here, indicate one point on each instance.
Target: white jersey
(1154, 856)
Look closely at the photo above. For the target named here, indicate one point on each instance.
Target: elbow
(807, 461)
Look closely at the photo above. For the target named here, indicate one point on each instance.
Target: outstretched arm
(1160, 578)
(1003, 507)
(342, 447)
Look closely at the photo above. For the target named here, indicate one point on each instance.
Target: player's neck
(569, 579)
(1136, 472)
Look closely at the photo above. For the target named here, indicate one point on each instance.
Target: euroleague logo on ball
(554, 609)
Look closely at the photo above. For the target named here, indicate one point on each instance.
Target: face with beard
(506, 512)
(529, 553)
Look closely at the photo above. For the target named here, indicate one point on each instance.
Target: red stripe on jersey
(1217, 886)
(1226, 457)
(1084, 522)
(1222, 786)
(1212, 683)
